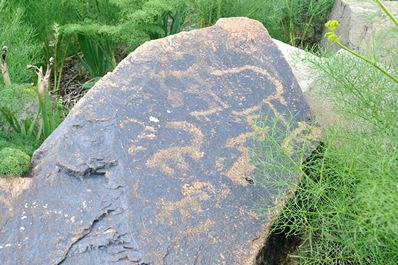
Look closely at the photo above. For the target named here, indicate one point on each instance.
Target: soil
(277, 249)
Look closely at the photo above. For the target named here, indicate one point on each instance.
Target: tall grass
(20, 40)
(42, 15)
(345, 209)
(298, 22)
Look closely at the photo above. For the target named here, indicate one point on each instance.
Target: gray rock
(299, 61)
(309, 79)
(152, 165)
(365, 28)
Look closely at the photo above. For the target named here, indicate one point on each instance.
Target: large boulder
(153, 166)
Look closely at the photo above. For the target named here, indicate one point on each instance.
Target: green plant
(19, 38)
(27, 144)
(298, 22)
(345, 208)
(387, 11)
(170, 23)
(61, 51)
(42, 15)
(13, 162)
(26, 126)
(135, 22)
(51, 113)
(207, 12)
(18, 103)
(332, 25)
(98, 57)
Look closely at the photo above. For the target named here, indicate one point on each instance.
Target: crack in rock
(85, 232)
(96, 167)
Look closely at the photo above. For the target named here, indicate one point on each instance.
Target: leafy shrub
(345, 208)
(18, 99)
(27, 144)
(13, 162)
(41, 15)
(298, 22)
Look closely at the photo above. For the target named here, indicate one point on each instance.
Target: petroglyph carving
(278, 95)
(148, 132)
(165, 159)
(193, 195)
(242, 168)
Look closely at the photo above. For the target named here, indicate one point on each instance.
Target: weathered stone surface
(365, 27)
(152, 165)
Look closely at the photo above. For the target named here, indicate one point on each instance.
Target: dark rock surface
(152, 165)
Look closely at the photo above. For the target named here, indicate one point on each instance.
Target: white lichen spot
(81, 221)
(153, 119)
(22, 228)
(66, 215)
(24, 217)
(45, 206)
(26, 205)
(150, 136)
(168, 111)
(1, 247)
(84, 205)
(7, 245)
(72, 219)
(26, 238)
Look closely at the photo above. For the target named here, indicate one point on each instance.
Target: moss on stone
(15, 153)
(13, 162)
(19, 141)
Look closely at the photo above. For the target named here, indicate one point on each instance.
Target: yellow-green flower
(332, 37)
(332, 25)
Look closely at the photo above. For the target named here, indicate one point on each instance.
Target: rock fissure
(84, 233)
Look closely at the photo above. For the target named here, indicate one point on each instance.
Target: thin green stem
(368, 61)
(387, 11)
(306, 28)
(219, 5)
